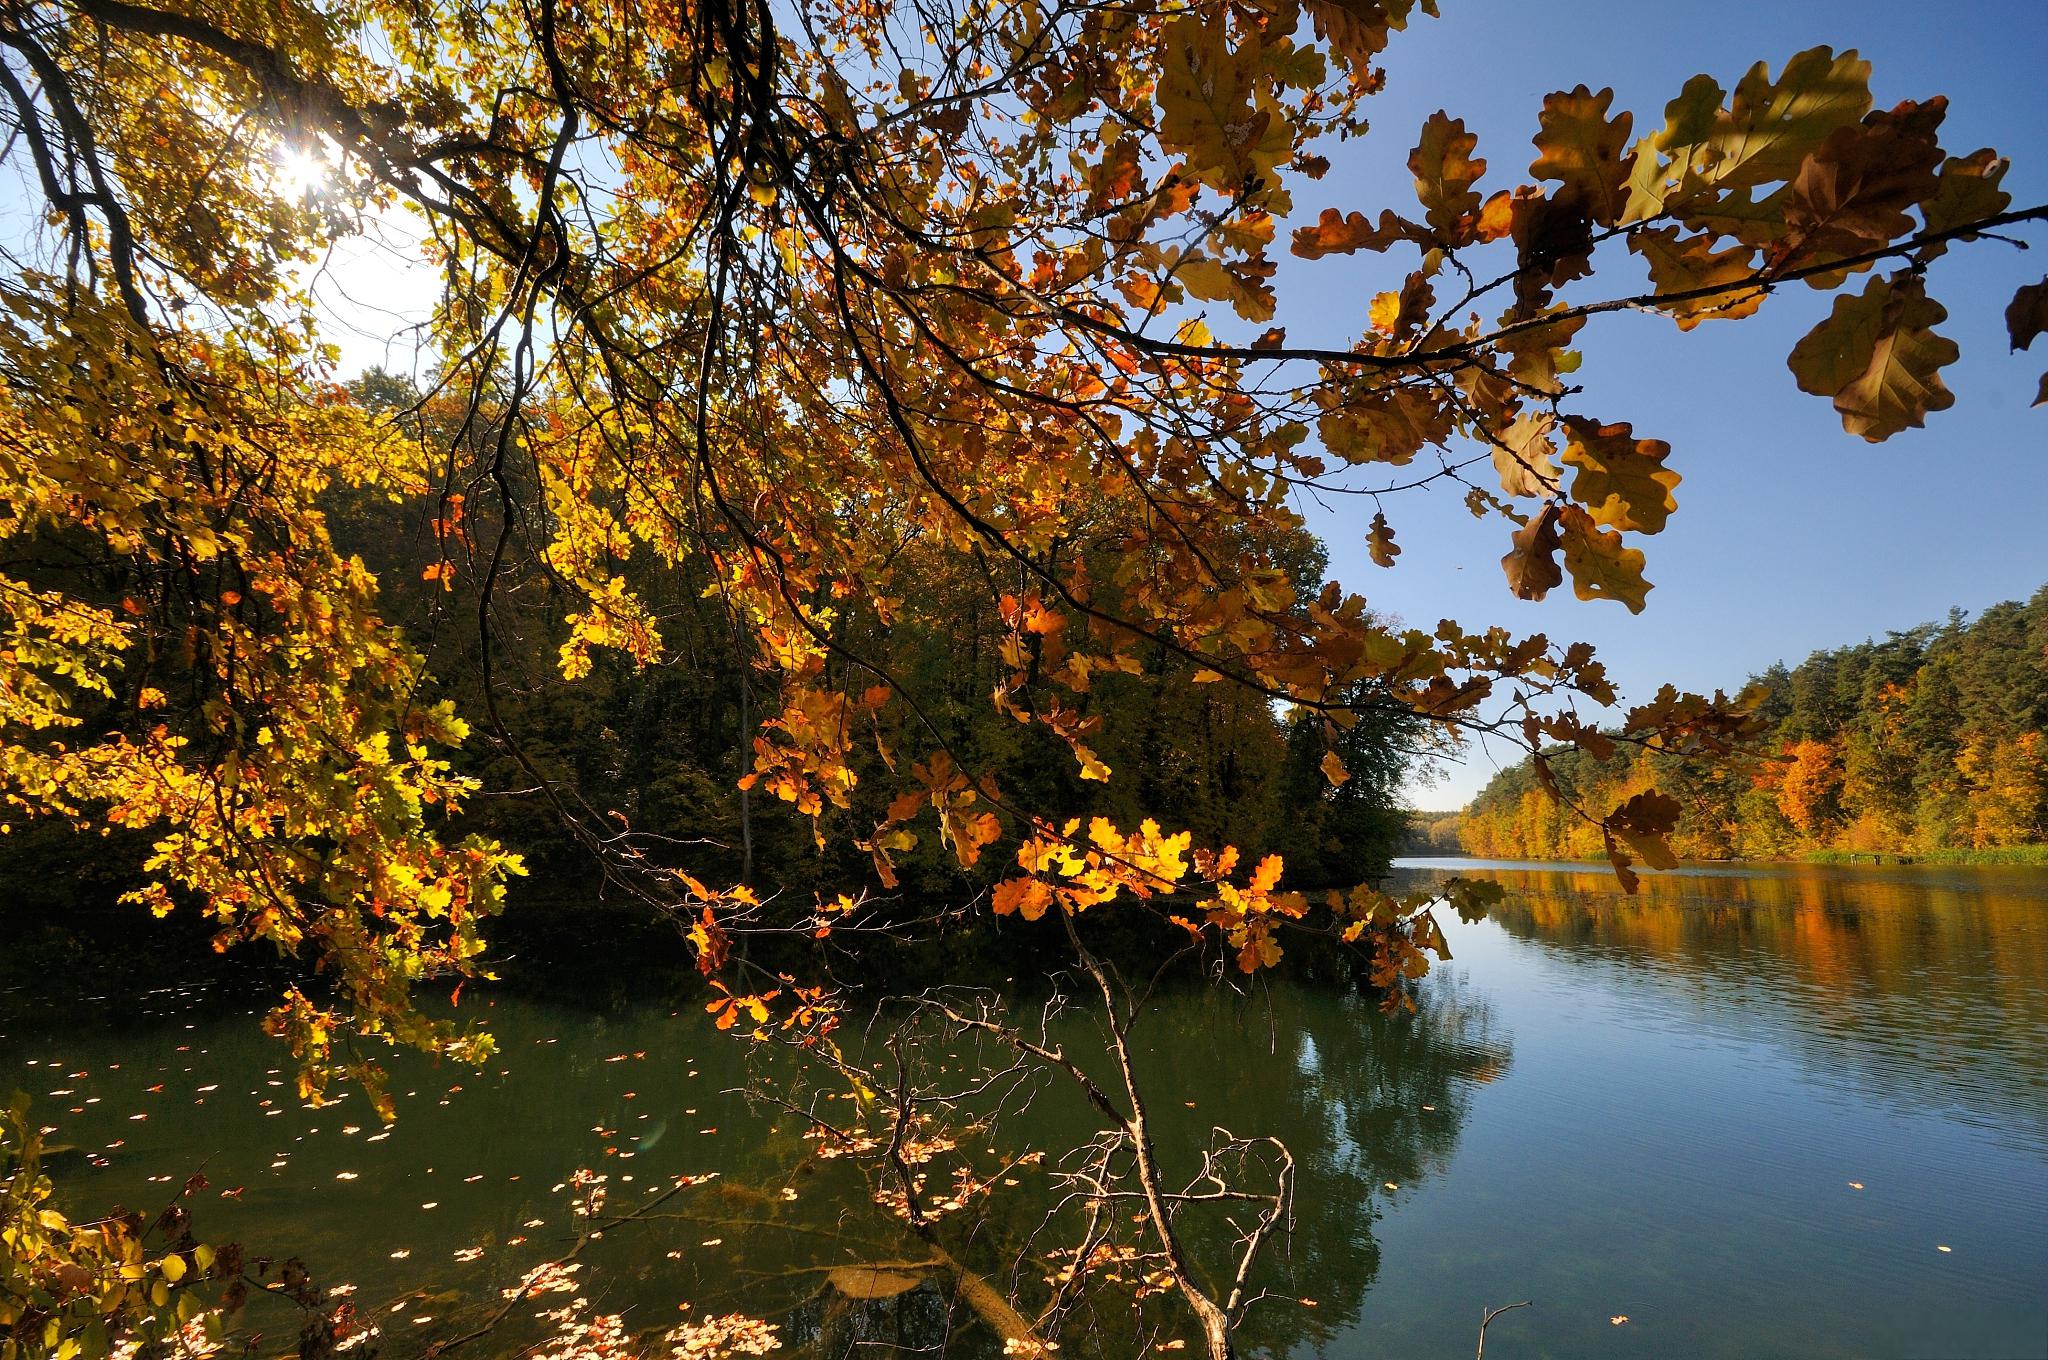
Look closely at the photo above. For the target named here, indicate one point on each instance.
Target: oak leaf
(1525, 455)
(1689, 264)
(1771, 126)
(1578, 146)
(1027, 897)
(1553, 244)
(1358, 29)
(1601, 567)
(1400, 314)
(1335, 233)
(1445, 170)
(1641, 824)
(1664, 158)
(1531, 564)
(1379, 542)
(1877, 355)
(1622, 480)
(1205, 103)
(2026, 316)
(1853, 194)
(1966, 191)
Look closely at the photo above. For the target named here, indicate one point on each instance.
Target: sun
(300, 171)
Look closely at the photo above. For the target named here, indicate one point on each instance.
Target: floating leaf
(871, 1282)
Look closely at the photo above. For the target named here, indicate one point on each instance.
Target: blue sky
(1790, 534)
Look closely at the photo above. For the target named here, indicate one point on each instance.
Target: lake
(1774, 1111)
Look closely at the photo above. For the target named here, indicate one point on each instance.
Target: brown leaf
(1402, 314)
(1380, 542)
(1877, 355)
(1357, 29)
(1336, 234)
(2027, 315)
(1445, 170)
(1854, 194)
(1554, 245)
(1679, 266)
(1579, 147)
(1532, 564)
(1643, 822)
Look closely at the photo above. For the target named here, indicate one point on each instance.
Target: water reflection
(433, 1219)
(1743, 1110)
(1926, 987)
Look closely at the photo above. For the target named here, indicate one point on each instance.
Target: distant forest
(1929, 740)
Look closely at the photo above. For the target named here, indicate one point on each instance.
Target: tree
(795, 308)
(1900, 762)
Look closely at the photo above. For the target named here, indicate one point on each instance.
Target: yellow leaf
(1580, 148)
(1622, 480)
(1445, 170)
(1601, 567)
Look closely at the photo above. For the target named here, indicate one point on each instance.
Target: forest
(1933, 740)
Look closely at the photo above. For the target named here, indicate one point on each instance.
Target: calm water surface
(1656, 1109)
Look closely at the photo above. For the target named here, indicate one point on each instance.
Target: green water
(1650, 1109)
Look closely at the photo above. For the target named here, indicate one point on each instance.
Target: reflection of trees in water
(637, 1096)
(1360, 1099)
(1927, 989)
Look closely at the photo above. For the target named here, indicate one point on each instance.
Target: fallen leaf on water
(1618, 1319)
(344, 1175)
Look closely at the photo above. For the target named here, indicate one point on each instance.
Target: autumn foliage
(1930, 740)
(784, 304)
